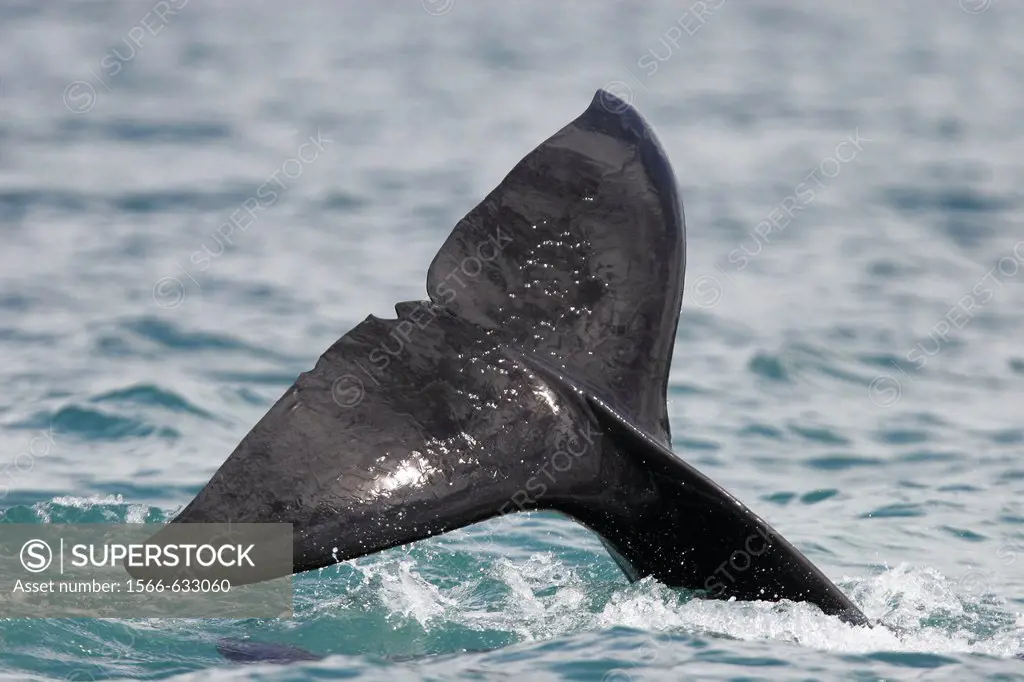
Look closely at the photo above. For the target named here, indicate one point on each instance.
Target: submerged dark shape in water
(249, 651)
(533, 378)
(245, 651)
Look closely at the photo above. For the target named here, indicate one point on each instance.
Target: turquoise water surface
(849, 358)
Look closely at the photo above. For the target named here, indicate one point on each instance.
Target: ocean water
(848, 362)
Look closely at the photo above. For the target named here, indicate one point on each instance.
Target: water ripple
(151, 395)
(148, 131)
(91, 424)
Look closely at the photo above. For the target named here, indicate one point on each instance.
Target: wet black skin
(534, 377)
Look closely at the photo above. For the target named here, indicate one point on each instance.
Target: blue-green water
(849, 360)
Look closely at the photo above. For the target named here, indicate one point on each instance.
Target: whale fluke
(533, 377)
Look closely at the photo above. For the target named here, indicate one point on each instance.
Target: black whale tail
(545, 345)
